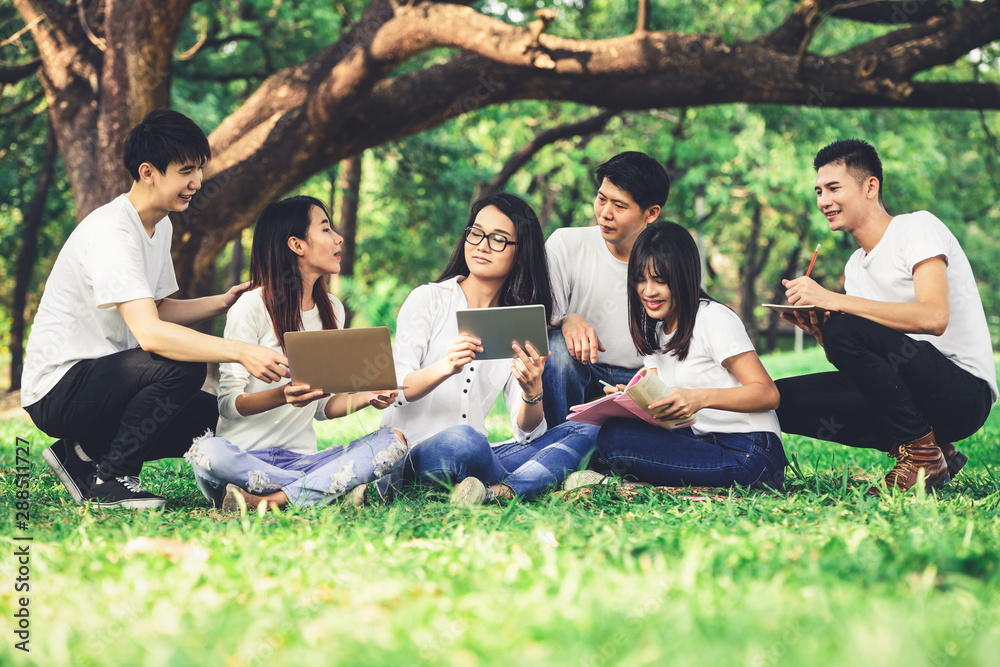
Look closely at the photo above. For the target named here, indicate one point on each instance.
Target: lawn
(818, 574)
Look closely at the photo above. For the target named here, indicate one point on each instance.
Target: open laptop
(499, 327)
(342, 360)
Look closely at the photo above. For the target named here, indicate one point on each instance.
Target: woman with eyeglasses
(499, 261)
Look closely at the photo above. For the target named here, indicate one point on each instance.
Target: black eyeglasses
(497, 242)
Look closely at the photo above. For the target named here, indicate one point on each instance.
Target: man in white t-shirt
(590, 341)
(112, 369)
(909, 339)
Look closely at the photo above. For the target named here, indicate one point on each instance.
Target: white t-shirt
(424, 327)
(285, 426)
(718, 335)
(107, 260)
(591, 282)
(886, 274)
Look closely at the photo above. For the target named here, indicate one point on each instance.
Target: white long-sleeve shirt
(424, 327)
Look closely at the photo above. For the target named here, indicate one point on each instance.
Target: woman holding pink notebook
(700, 349)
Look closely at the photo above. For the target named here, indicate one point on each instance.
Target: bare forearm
(907, 317)
(420, 383)
(530, 416)
(344, 404)
(180, 343)
(751, 397)
(261, 401)
(191, 311)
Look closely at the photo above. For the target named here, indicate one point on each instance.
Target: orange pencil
(816, 252)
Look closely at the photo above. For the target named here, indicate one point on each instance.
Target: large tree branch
(526, 152)
(793, 31)
(17, 73)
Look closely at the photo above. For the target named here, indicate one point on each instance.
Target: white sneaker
(470, 491)
(585, 478)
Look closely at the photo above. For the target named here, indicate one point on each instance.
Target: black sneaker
(71, 470)
(121, 492)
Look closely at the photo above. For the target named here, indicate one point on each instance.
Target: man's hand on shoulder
(230, 297)
(581, 339)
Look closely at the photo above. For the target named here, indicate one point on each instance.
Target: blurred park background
(400, 114)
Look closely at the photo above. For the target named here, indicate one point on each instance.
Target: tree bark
(308, 117)
(26, 256)
(778, 295)
(350, 196)
(753, 264)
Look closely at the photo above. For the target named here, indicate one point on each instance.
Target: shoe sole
(357, 495)
(234, 501)
(63, 475)
(149, 503)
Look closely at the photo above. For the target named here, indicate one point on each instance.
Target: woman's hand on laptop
(301, 395)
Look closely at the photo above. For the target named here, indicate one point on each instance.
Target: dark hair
(528, 280)
(275, 268)
(162, 137)
(641, 176)
(859, 157)
(667, 251)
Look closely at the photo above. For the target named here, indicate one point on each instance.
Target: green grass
(819, 574)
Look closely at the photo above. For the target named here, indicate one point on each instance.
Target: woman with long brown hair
(265, 447)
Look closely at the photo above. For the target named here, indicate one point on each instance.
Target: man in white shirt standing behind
(112, 368)
(590, 341)
(909, 339)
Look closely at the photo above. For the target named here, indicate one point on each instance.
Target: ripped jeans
(307, 479)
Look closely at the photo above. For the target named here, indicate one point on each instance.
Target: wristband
(535, 400)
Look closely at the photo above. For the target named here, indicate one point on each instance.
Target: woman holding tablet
(699, 348)
(499, 261)
(265, 448)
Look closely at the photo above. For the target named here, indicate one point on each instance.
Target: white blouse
(424, 327)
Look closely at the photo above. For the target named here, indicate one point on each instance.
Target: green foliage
(817, 574)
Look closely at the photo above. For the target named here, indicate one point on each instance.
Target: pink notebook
(620, 404)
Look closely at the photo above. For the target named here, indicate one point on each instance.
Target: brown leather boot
(954, 458)
(922, 453)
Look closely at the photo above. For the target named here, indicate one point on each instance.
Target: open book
(644, 388)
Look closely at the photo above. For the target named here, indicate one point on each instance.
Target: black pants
(888, 389)
(127, 408)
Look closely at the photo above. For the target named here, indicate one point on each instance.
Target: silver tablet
(498, 328)
(342, 360)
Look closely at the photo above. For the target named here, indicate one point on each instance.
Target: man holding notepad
(909, 338)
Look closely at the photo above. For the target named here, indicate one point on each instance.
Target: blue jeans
(527, 468)
(651, 454)
(566, 382)
(307, 479)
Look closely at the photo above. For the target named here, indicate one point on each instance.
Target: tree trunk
(350, 195)
(778, 296)
(236, 262)
(26, 257)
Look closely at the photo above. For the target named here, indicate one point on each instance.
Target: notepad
(786, 308)
(644, 388)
